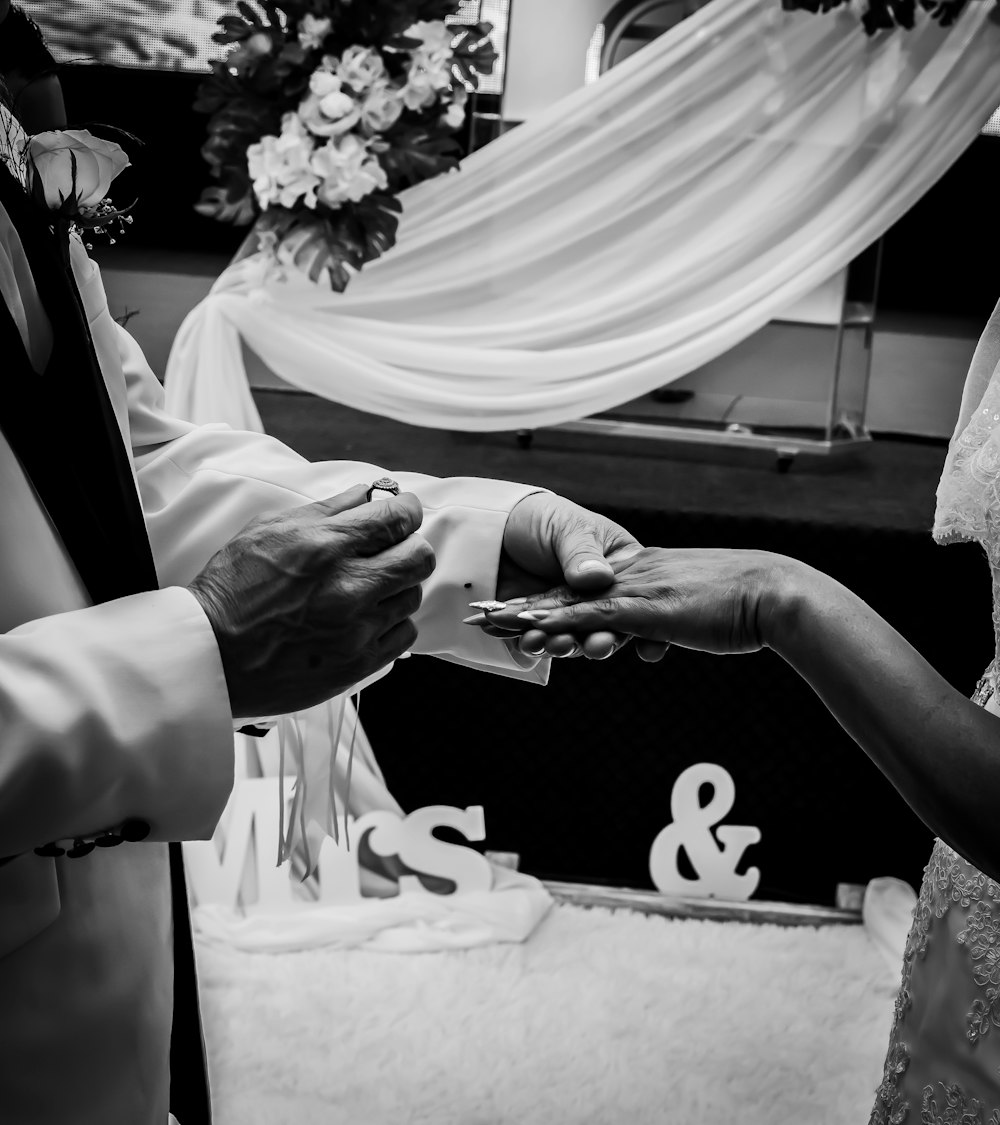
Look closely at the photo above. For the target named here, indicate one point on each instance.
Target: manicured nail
(533, 615)
(475, 619)
(516, 601)
(594, 564)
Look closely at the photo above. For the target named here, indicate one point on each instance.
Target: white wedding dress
(943, 1062)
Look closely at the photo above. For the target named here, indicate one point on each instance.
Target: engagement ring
(384, 484)
(488, 607)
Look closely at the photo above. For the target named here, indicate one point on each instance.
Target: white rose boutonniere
(69, 173)
(73, 169)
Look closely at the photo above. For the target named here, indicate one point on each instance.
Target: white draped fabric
(633, 232)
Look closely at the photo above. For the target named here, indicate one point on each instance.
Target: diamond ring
(384, 484)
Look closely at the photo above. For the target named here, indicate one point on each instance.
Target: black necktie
(62, 427)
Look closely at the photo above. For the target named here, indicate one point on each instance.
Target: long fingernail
(516, 601)
(475, 619)
(533, 615)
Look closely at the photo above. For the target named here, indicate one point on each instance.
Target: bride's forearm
(939, 749)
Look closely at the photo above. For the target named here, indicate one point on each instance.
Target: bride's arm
(939, 749)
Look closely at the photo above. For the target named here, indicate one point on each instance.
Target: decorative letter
(251, 834)
(414, 842)
(691, 829)
(237, 866)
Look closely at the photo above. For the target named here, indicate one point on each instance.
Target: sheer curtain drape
(634, 231)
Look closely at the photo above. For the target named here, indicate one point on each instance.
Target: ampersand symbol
(692, 830)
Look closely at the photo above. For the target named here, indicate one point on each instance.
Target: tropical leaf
(378, 215)
(415, 153)
(232, 29)
(474, 54)
(249, 14)
(217, 90)
(215, 203)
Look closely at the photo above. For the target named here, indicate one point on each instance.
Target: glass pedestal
(797, 386)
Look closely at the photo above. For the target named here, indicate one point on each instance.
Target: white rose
(313, 30)
(434, 35)
(74, 165)
(429, 71)
(280, 166)
(361, 68)
(348, 171)
(420, 90)
(327, 110)
(381, 108)
(323, 82)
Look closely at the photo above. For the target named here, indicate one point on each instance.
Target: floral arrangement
(324, 110)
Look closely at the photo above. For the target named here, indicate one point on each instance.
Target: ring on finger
(383, 484)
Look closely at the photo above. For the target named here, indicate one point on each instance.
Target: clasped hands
(310, 602)
(712, 600)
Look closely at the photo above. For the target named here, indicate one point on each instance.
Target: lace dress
(943, 1061)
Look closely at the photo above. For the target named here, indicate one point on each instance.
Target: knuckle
(423, 554)
(600, 607)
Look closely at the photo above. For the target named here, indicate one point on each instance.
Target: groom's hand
(308, 603)
(549, 541)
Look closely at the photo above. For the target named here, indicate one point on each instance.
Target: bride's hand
(711, 599)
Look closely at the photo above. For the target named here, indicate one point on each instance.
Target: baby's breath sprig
(103, 220)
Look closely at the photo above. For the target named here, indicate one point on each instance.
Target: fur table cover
(602, 1017)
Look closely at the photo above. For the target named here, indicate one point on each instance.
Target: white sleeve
(113, 712)
(201, 484)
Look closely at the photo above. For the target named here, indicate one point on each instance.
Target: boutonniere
(68, 173)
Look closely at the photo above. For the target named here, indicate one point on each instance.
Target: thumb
(581, 557)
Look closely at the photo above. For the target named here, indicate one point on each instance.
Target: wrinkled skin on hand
(548, 540)
(310, 602)
(713, 600)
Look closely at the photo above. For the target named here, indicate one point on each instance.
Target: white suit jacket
(121, 711)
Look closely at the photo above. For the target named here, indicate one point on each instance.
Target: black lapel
(62, 426)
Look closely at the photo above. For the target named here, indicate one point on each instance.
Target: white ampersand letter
(692, 829)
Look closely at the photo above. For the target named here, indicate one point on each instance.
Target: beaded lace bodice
(943, 1062)
(968, 494)
(942, 1066)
